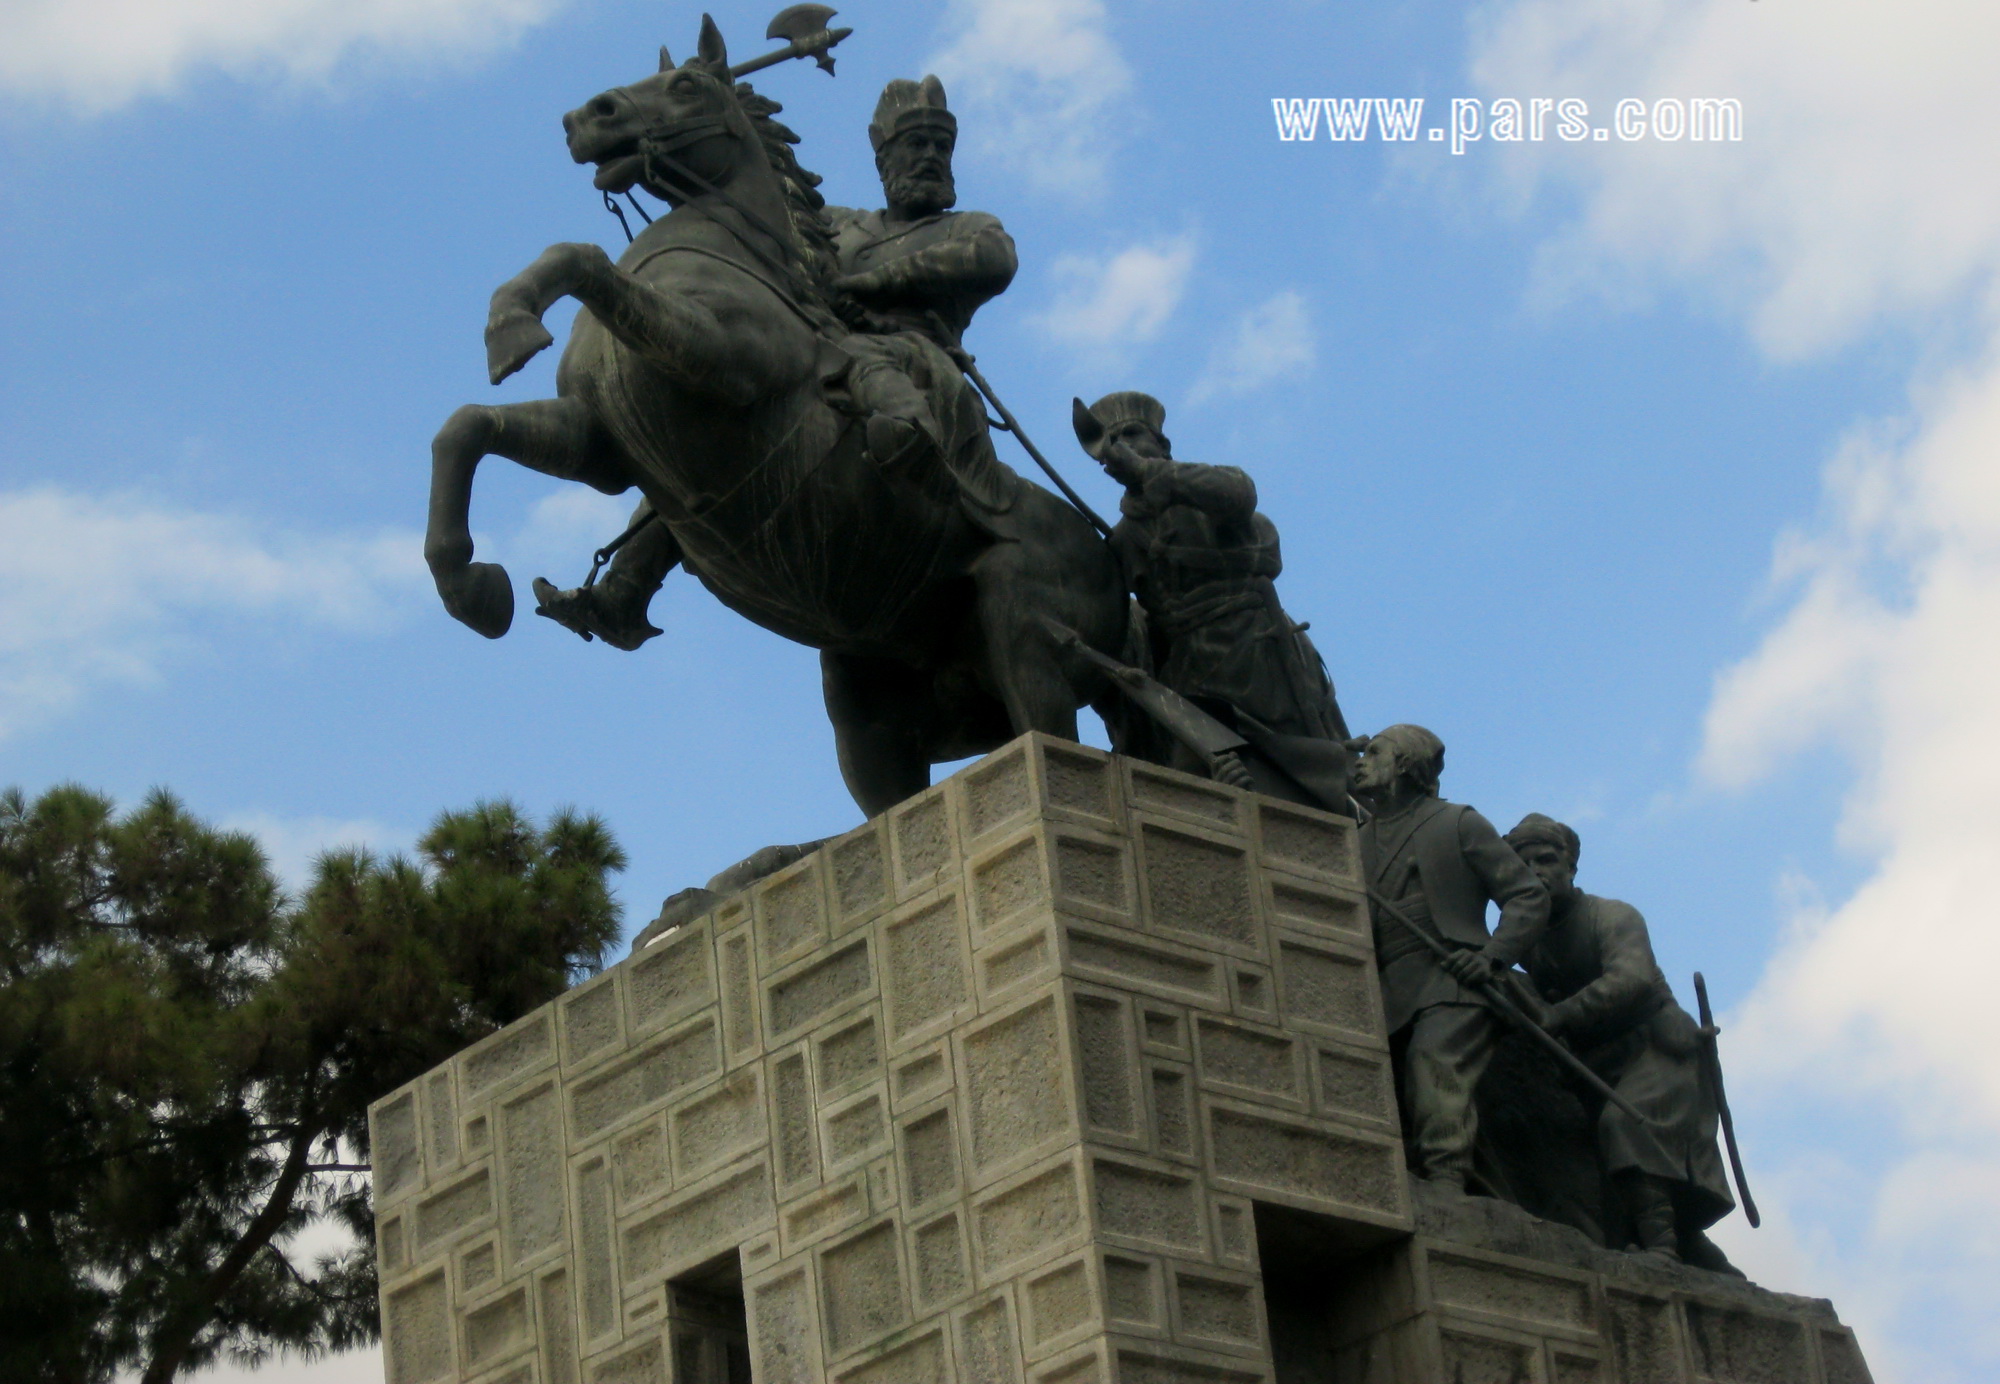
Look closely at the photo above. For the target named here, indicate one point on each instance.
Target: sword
(1714, 1055)
(1507, 1010)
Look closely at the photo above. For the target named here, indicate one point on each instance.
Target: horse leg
(1024, 657)
(881, 713)
(558, 437)
(676, 331)
(1057, 578)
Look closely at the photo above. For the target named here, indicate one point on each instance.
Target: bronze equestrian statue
(916, 265)
(707, 368)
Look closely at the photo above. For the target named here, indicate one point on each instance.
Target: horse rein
(686, 174)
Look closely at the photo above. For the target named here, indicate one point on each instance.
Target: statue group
(785, 384)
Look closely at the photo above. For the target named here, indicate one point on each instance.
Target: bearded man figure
(912, 275)
(1593, 966)
(916, 265)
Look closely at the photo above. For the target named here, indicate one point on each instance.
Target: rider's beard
(921, 192)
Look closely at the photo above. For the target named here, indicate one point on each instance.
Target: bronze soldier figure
(1594, 968)
(1439, 863)
(1202, 562)
(916, 266)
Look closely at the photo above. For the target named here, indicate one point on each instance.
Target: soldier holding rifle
(1431, 868)
(1593, 966)
(1201, 561)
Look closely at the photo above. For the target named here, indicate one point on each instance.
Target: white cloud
(108, 590)
(1107, 304)
(1855, 192)
(100, 54)
(1890, 645)
(1857, 201)
(1272, 341)
(352, 1367)
(294, 843)
(1038, 82)
(563, 529)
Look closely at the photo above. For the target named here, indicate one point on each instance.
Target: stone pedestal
(1070, 1069)
(1486, 1292)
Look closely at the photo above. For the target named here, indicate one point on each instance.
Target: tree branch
(177, 1337)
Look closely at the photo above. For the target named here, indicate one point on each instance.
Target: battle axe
(1712, 1056)
(805, 26)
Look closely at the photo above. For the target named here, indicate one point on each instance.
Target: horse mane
(806, 209)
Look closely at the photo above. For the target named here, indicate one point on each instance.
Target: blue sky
(1658, 479)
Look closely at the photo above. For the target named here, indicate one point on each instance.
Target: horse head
(682, 120)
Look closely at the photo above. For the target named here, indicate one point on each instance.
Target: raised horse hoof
(511, 342)
(480, 596)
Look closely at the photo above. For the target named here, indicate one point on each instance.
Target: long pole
(963, 359)
(1508, 1011)
(1708, 1032)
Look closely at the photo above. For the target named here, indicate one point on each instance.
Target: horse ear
(666, 59)
(711, 47)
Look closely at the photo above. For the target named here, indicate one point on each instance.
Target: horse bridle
(661, 149)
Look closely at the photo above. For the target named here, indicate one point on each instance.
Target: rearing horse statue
(705, 368)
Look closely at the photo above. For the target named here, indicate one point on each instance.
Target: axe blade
(804, 29)
(800, 22)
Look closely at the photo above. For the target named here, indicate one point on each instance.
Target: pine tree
(187, 1058)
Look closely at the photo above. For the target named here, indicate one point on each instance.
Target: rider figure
(914, 267)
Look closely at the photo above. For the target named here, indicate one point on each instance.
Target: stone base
(1070, 1070)
(1485, 1292)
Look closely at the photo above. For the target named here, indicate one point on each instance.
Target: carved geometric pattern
(984, 1092)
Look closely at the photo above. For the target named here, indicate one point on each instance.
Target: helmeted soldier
(911, 276)
(1202, 563)
(1593, 966)
(1439, 863)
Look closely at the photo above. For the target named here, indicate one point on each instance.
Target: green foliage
(187, 1058)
